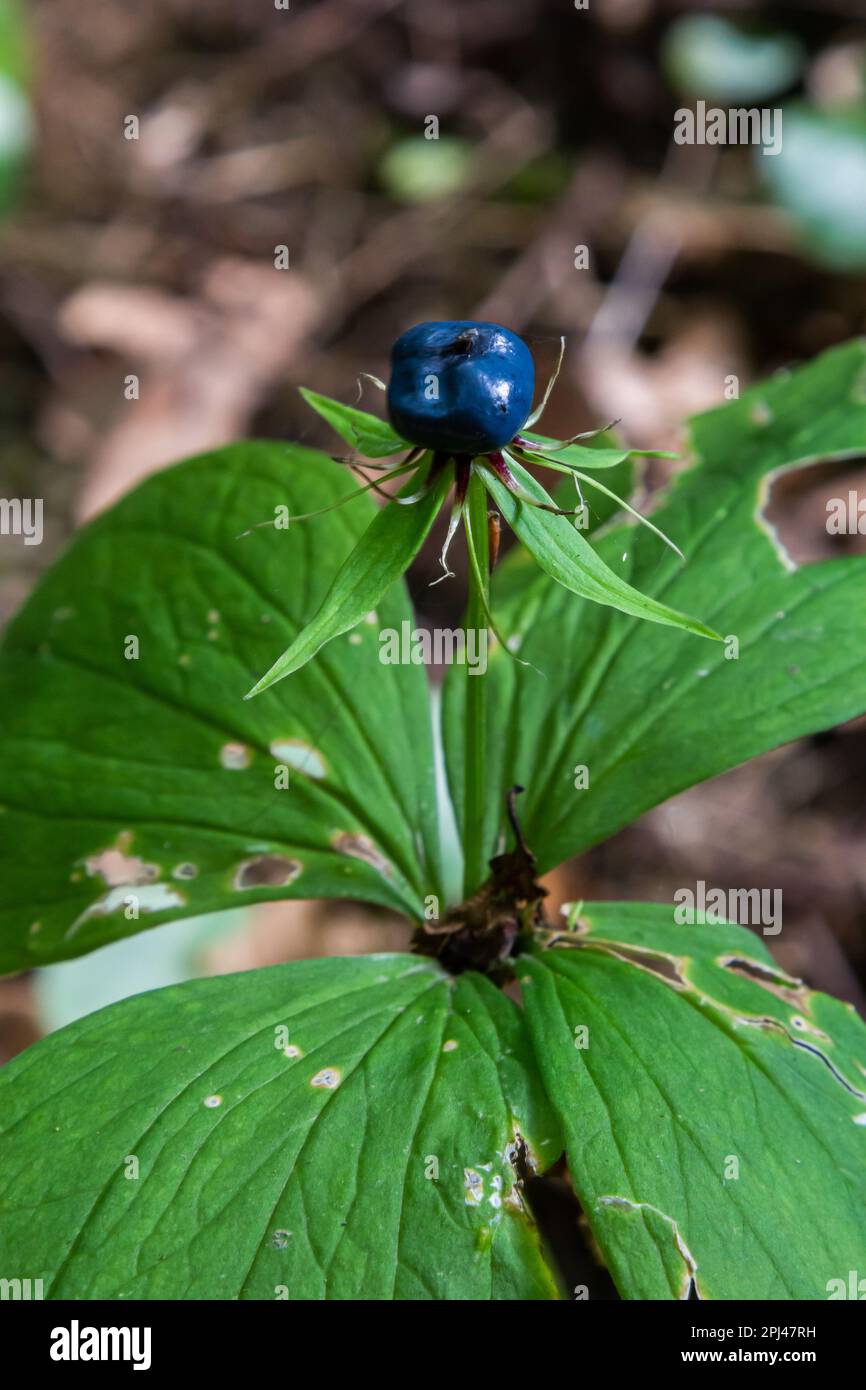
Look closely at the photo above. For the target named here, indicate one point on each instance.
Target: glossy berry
(460, 387)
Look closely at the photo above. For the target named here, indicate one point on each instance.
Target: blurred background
(419, 160)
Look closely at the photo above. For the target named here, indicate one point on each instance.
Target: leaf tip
(259, 686)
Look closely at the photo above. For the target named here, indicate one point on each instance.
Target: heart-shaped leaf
(331, 1129)
(714, 1108)
(136, 784)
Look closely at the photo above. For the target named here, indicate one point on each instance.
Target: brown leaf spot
(267, 871)
(362, 847)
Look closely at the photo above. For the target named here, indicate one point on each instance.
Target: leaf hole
(785, 987)
(267, 871)
(801, 507)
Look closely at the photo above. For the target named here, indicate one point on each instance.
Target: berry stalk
(476, 853)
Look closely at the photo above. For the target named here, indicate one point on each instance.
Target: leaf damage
(683, 974)
(361, 847)
(117, 867)
(266, 871)
(786, 987)
(688, 1287)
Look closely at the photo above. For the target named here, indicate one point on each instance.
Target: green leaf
(15, 42)
(563, 552)
(819, 178)
(600, 509)
(540, 180)
(649, 713)
(708, 56)
(582, 455)
(147, 785)
(16, 139)
(418, 170)
(384, 552)
(714, 1109)
(372, 437)
(17, 127)
(361, 1153)
(515, 571)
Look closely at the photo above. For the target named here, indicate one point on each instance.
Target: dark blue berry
(460, 387)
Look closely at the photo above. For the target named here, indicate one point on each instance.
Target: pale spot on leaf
(299, 755)
(362, 847)
(473, 1187)
(327, 1079)
(116, 867)
(235, 756)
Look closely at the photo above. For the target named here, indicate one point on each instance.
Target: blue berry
(460, 387)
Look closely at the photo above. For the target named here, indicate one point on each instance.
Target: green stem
(476, 853)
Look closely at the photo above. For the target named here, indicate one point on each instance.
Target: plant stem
(475, 851)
